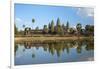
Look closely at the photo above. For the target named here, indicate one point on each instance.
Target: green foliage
(45, 29)
(33, 20)
(23, 26)
(15, 29)
(79, 27)
(71, 31)
(89, 29)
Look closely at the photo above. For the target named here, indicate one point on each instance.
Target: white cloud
(85, 12)
(18, 19)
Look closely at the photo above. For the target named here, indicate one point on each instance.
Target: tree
(27, 31)
(71, 30)
(15, 29)
(23, 26)
(89, 29)
(23, 29)
(82, 32)
(78, 27)
(92, 30)
(33, 20)
(45, 29)
(52, 26)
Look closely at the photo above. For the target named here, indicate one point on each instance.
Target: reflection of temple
(59, 47)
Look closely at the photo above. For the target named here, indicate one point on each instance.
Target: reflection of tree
(67, 49)
(27, 45)
(90, 45)
(33, 55)
(79, 48)
(16, 48)
(37, 47)
(24, 50)
(45, 48)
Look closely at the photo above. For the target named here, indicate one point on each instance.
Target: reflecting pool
(53, 51)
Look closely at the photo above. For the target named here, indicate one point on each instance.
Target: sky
(44, 14)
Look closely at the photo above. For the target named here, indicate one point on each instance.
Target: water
(53, 52)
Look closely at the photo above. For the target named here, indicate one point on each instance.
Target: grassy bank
(48, 38)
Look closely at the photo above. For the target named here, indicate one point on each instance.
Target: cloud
(18, 20)
(85, 12)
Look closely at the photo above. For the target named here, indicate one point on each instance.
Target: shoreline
(49, 38)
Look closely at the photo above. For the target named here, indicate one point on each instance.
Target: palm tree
(23, 26)
(78, 27)
(33, 20)
(23, 29)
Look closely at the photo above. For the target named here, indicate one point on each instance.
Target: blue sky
(43, 14)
